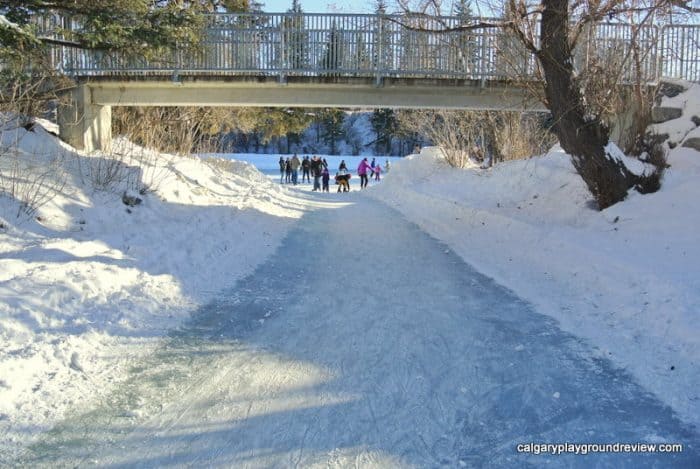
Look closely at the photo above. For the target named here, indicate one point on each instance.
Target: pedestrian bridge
(350, 61)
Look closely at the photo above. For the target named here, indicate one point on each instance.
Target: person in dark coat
(316, 170)
(305, 168)
(325, 178)
(343, 181)
(283, 166)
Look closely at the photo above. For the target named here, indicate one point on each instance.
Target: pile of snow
(88, 283)
(627, 278)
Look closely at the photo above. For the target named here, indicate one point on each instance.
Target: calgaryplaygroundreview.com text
(586, 448)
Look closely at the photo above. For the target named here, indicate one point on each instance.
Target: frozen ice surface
(380, 348)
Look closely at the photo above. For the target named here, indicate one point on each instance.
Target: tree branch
(446, 29)
(65, 42)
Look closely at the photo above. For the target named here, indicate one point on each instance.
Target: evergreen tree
(385, 126)
(136, 29)
(275, 123)
(466, 41)
(335, 50)
(332, 121)
(384, 53)
(296, 38)
(380, 7)
(362, 59)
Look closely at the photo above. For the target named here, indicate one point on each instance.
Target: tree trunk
(581, 135)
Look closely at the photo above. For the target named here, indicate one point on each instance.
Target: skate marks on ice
(363, 342)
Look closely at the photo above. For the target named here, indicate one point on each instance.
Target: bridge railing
(378, 46)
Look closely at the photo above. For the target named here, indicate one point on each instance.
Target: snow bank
(627, 278)
(87, 283)
(689, 103)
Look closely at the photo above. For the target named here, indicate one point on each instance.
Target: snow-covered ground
(89, 286)
(627, 278)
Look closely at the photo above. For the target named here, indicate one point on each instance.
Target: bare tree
(550, 31)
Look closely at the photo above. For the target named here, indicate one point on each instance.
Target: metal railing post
(482, 67)
(379, 48)
(281, 76)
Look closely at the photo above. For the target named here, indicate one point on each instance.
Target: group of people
(314, 166)
(318, 168)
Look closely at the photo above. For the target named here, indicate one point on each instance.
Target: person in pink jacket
(377, 172)
(362, 170)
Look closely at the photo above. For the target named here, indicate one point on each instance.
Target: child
(377, 172)
(343, 180)
(325, 178)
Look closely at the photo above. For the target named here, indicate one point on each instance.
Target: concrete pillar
(84, 125)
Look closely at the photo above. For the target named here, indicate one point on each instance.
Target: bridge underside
(86, 121)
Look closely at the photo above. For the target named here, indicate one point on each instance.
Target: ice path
(365, 343)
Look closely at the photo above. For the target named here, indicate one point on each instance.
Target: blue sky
(321, 6)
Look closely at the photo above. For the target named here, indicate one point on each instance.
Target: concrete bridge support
(83, 124)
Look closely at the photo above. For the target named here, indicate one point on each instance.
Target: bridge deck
(311, 92)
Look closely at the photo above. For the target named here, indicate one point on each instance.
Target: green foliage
(386, 126)
(277, 122)
(332, 122)
(138, 27)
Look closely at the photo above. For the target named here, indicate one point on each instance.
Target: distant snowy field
(88, 287)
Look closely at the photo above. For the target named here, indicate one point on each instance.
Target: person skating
(295, 164)
(362, 170)
(325, 178)
(283, 166)
(377, 172)
(316, 169)
(288, 170)
(342, 178)
(305, 167)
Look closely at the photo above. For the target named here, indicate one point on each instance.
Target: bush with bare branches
(32, 176)
(457, 133)
(516, 135)
(475, 137)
